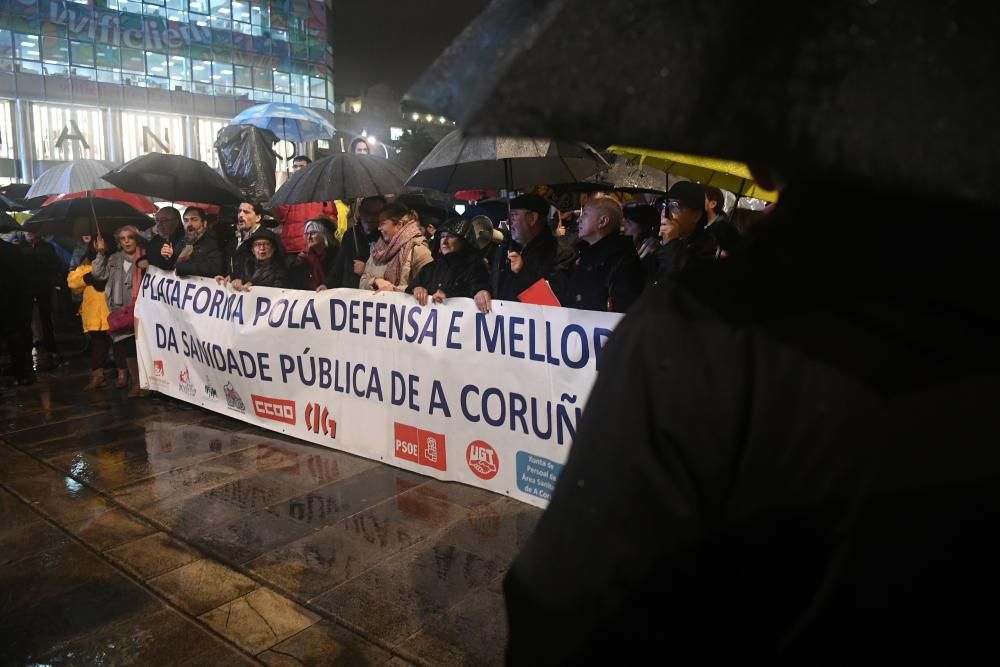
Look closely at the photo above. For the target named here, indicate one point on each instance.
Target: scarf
(397, 251)
(316, 268)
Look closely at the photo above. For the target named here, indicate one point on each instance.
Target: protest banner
(491, 400)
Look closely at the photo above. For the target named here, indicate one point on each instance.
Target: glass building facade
(112, 79)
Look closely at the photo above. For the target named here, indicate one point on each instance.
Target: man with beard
(199, 253)
(355, 247)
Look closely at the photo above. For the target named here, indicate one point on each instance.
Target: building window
(148, 133)
(179, 68)
(243, 76)
(108, 57)
(81, 54)
(27, 47)
(208, 129)
(281, 84)
(156, 64)
(67, 133)
(133, 61)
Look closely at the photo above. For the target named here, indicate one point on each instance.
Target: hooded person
(266, 265)
(459, 270)
(309, 269)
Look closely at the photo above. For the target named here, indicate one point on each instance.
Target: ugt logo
(421, 447)
(318, 417)
(482, 459)
(275, 409)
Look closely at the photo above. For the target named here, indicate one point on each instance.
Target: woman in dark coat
(459, 271)
(309, 269)
(266, 268)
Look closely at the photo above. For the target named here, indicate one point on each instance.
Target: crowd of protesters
(600, 256)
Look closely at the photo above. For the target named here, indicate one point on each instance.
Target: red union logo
(317, 418)
(158, 368)
(482, 459)
(421, 447)
(275, 409)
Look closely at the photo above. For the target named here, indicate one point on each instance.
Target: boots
(122, 379)
(133, 370)
(96, 379)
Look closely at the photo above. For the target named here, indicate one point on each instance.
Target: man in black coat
(168, 232)
(43, 271)
(15, 305)
(684, 242)
(730, 242)
(535, 252)
(607, 274)
(355, 247)
(198, 254)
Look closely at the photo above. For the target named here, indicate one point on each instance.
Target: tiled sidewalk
(150, 532)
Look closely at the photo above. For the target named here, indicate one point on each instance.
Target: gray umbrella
(469, 163)
(76, 176)
(626, 176)
(341, 176)
(886, 93)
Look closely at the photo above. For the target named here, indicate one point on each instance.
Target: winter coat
(606, 276)
(727, 238)
(300, 270)
(94, 309)
(457, 274)
(690, 252)
(783, 461)
(118, 288)
(293, 219)
(545, 257)
(205, 259)
(269, 273)
(43, 269)
(356, 245)
(419, 257)
(155, 245)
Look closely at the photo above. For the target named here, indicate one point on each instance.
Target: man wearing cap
(607, 274)
(535, 253)
(684, 243)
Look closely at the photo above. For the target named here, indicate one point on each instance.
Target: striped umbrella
(288, 121)
(77, 176)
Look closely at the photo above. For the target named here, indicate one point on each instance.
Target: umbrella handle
(93, 214)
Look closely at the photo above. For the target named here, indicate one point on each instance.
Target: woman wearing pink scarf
(399, 254)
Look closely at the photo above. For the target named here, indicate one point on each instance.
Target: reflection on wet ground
(151, 532)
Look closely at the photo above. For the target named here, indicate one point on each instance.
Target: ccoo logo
(482, 459)
(275, 409)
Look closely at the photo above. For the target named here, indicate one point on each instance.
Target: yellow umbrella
(725, 174)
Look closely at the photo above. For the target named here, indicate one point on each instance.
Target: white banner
(488, 400)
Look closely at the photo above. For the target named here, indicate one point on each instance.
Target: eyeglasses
(261, 245)
(671, 206)
(127, 238)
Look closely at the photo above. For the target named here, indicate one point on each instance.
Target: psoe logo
(184, 383)
(158, 368)
(318, 418)
(233, 400)
(482, 459)
(275, 409)
(421, 447)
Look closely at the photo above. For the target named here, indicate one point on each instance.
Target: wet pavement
(152, 532)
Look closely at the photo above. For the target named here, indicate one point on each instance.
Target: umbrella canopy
(341, 176)
(808, 89)
(469, 163)
(76, 176)
(60, 218)
(725, 174)
(138, 202)
(623, 175)
(174, 178)
(8, 224)
(288, 121)
(8, 204)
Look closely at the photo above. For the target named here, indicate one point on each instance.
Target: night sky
(392, 41)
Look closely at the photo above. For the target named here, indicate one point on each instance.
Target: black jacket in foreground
(544, 257)
(791, 459)
(606, 276)
(205, 260)
(461, 273)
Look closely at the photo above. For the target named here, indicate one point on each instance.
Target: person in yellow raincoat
(94, 315)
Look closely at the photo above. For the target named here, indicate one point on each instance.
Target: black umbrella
(341, 176)
(9, 204)
(174, 178)
(805, 88)
(8, 224)
(68, 218)
(468, 163)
